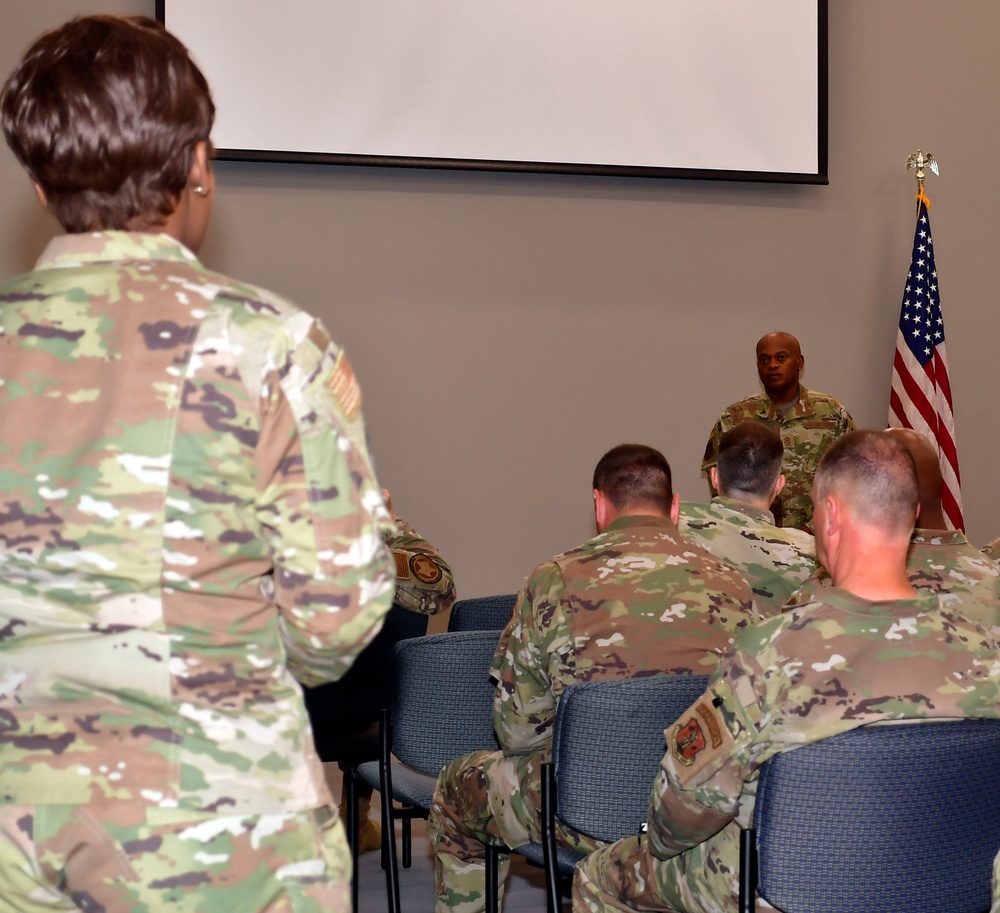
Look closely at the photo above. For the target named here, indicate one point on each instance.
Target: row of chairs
(910, 814)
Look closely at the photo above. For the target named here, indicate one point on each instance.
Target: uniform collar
(79, 249)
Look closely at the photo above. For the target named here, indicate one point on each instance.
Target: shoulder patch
(344, 387)
(696, 739)
(425, 569)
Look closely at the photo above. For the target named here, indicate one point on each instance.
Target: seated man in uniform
(737, 525)
(637, 599)
(869, 650)
(939, 560)
(807, 422)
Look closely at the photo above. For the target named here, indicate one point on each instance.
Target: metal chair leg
(748, 871)
(388, 816)
(553, 898)
(350, 777)
(492, 878)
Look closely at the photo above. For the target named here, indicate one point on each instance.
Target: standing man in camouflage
(190, 526)
(637, 599)
(869, 650)
(806, 421)
(737, 526)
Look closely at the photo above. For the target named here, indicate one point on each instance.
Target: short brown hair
(104, 114)
(634, 475)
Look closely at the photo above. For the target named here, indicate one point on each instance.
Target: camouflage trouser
(108, 858)
(482, 798)
(626, 876)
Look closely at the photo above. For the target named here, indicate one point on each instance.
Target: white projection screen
(716, 89)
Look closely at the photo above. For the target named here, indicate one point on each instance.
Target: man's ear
(713, 478)
(600, 509)
(675, 509)
(779, 485)
(42, 198)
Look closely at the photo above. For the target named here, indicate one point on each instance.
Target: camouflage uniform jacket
(424, 581)
(774, 561)
(813, 423)
(806, 675)
(939, 561)
(638, 599)
(189, 516)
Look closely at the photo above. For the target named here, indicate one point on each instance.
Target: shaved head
(778, 337)
(925, 458)
(874, 475)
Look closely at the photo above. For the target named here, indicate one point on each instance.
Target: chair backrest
(442, 703)
(607, 748)
(901, 818)
(483, 613)
(353, 702)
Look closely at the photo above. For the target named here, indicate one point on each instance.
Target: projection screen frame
(820, 177)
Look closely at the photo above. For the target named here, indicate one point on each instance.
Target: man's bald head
(779, 337)
(929, 480)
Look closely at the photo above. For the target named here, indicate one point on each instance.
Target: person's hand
(388, 503)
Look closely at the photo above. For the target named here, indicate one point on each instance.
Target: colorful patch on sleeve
(696, 738)
(344, 387)
(425, 569)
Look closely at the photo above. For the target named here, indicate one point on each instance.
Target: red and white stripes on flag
(921, 392)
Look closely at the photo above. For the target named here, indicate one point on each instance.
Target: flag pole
(920, 161)
(920, 396)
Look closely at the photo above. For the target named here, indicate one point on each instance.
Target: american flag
(921, 392)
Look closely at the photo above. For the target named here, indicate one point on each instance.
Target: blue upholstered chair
(606, 751)
(900, 818)
(482, 613)
(441, 707)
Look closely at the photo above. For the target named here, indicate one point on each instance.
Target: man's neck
(744, 498)
(784, 397)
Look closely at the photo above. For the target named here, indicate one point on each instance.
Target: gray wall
(508, 329)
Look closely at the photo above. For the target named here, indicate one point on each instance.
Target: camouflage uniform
(636, 599)
(940, 561)
(189, 518)
(812, 424)
(424, 581)
(992, 550)
(806, 675)
(774, 561)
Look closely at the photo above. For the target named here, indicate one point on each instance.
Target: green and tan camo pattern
(808, 674)
(942, 562)
(189, 523)
(424, 580)
(813, 423)
(635, 599)
(775, 561)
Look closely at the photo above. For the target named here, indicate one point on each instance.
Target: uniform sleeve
(711, 456)
(846, 422)
(424, 581)
(701, 780)
(524, 708)
(321, 508)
